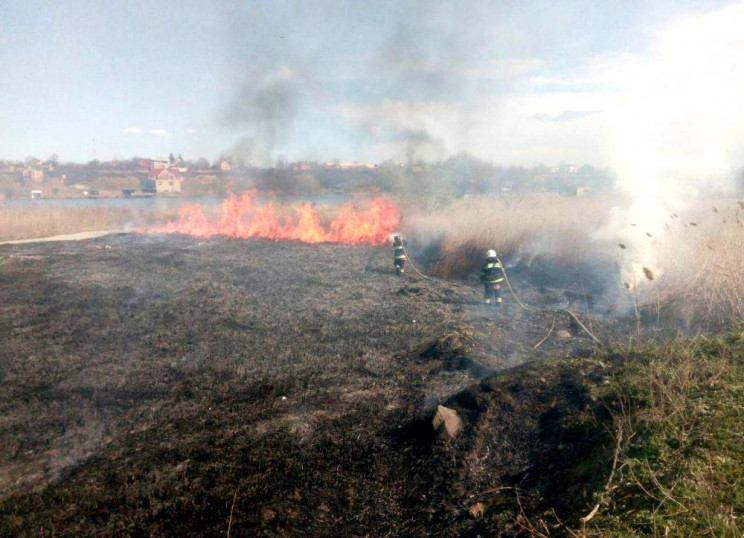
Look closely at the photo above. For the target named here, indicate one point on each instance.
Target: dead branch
(546, 336)
(618, 447)
(230, 520)
(583, 327)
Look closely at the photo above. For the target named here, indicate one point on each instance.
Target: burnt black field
(174, 386)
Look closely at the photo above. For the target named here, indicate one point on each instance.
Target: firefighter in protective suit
(399, 255)
(492, 276)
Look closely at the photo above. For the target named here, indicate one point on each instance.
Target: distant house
(36, 194)
(36, 174)
(225, 166)
(166, 179)
(340, 165)
(300, 166)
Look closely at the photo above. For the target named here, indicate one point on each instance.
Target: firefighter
(492, 277)
(399, 255)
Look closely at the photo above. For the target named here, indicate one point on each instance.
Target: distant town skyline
(511, 83)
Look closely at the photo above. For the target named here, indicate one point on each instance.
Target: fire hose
(516, 298)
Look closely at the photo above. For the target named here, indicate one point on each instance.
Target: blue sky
(512, 82)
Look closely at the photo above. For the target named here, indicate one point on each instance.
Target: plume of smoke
(420, 68)
(678, 123)
(265, 112)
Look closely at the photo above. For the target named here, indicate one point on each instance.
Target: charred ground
(179, 386)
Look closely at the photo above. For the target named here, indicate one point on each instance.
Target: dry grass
(42, 221)
(695, 263)
(552, 226)
(703, 264)
(680, 466)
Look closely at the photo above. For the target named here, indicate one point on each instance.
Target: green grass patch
(679, 470)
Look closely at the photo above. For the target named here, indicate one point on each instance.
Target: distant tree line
(460, 175)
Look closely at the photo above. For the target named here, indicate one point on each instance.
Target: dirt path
(65, 237)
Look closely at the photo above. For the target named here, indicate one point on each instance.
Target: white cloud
(158, 132)
(191, 130)
(565, 116)
(132, 130)
(506, 69)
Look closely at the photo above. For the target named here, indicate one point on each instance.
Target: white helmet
(491, 254)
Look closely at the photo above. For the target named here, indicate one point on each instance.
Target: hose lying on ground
(513, 293)
(537, 309)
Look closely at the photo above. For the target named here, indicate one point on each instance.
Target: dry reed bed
(695, 262)
(703, 262)
(43, 221)
(555, 227)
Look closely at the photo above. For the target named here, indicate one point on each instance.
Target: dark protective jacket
(491, 272)
(399, 252)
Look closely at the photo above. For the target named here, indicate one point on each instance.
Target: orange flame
(240, 217)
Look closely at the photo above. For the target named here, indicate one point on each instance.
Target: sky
(643, 87)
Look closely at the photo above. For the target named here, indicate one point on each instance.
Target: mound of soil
(157, 385)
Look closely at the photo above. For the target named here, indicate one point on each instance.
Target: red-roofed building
(166, 179)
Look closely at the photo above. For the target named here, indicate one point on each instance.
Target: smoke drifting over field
(265, 110)
(677, 129)
(404, 86)
(667, 118)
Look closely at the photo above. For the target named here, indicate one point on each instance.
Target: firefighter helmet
(491, 254)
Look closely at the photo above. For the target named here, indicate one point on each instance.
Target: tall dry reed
(552, 226)
(44, 221)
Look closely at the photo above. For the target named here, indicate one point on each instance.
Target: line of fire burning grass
(240, 217)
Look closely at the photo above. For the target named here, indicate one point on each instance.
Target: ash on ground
(167, 385)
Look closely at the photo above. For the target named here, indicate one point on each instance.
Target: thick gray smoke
(401, 89)
(264, 112)
(418, 66)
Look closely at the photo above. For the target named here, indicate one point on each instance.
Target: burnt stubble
(167, 385)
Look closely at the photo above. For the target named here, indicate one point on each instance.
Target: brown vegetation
(693, 273)
(42, 221)
(191, 386)
(555, 227)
